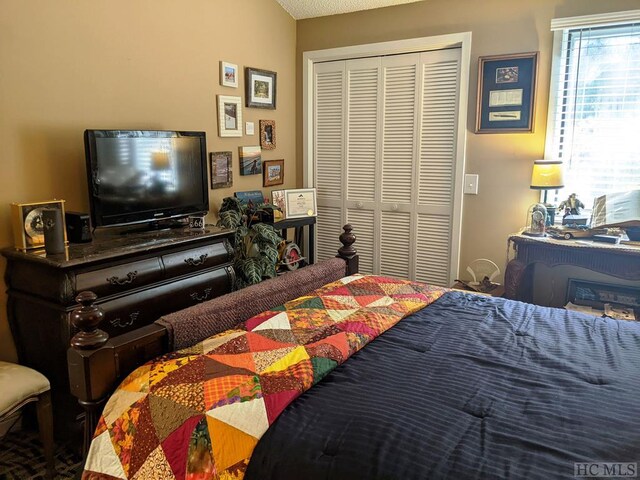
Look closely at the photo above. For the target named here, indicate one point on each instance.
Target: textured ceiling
(300, 9)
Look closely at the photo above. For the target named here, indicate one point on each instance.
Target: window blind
(595, 114)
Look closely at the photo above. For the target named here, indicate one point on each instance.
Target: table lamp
(547, 175)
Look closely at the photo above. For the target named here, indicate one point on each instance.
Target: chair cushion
(18, 384)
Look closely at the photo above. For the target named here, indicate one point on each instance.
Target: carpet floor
(21, 458)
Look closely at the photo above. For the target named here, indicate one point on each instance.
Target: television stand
(138, 278)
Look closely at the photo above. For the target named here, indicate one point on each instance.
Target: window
(594, 107)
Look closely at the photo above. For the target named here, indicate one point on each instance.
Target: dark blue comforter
(469, 387)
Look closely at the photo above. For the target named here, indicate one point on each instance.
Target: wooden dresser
(138, 277)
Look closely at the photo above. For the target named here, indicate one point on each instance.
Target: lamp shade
(547, 174)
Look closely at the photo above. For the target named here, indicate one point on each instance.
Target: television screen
(142, 176)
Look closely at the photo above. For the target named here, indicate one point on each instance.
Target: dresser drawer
(118, 278)
(142, 308)
(195, 259)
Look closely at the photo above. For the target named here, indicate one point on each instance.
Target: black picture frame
(260, 88)
(506, 93)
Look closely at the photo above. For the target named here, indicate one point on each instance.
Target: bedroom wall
(69, 65)
(503, 161)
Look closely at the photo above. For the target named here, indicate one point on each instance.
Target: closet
(385, 134)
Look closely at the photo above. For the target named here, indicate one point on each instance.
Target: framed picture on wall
(229, 116)
(228, 74)
(273, 173)
(250, 160)
(268, 134)
(220, 168)
(506, 93)
(260, 88)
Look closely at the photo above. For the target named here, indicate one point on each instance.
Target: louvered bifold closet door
(397, 186)
(385, 153)
(362, 145)
(439, 98)
(329, 79)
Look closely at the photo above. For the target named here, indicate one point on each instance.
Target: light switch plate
(249, 128)
(471, 183)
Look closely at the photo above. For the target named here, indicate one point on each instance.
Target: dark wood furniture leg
(45, 426)
(312, 243)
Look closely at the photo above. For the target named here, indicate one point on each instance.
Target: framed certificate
(300, 203)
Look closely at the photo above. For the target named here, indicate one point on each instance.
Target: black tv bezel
(148, 216)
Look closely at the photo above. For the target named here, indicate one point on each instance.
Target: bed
(373, 377)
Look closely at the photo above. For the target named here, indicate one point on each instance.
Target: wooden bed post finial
(86, 318)
(347, 251)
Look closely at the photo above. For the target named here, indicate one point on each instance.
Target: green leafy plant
(255, 244)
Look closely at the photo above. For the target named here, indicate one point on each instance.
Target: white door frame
(454, 40)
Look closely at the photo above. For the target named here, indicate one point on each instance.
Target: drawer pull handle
(116, 322)
(131, 276)
(201, 298)
(194, 262)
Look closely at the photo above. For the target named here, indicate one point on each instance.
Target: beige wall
(503, 161)
(68, 65)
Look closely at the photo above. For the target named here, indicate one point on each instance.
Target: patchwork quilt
(198, 413)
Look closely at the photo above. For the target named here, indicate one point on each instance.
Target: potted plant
(255, 244)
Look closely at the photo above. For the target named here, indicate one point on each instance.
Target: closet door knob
(359, 205)
(394, 207)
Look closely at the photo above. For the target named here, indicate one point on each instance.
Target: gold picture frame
(28, 227)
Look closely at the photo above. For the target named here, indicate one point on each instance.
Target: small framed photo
(506, 93)
(220, 168)
(260, 88)
(268, 134)
(229, 116)
(228, 74)
(273, 173)
(277, 200)
(250, 160)
(28, 226)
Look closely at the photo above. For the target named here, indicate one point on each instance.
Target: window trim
(559, 27)
(597, 20)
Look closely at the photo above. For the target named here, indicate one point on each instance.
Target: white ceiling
(300, 9)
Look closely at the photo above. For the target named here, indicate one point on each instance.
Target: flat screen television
(138, 176)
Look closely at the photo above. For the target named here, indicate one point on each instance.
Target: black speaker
(78, 227)
(53, 231)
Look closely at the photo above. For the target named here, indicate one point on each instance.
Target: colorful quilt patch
(194, 416)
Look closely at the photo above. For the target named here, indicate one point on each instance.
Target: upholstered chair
(21, 385)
